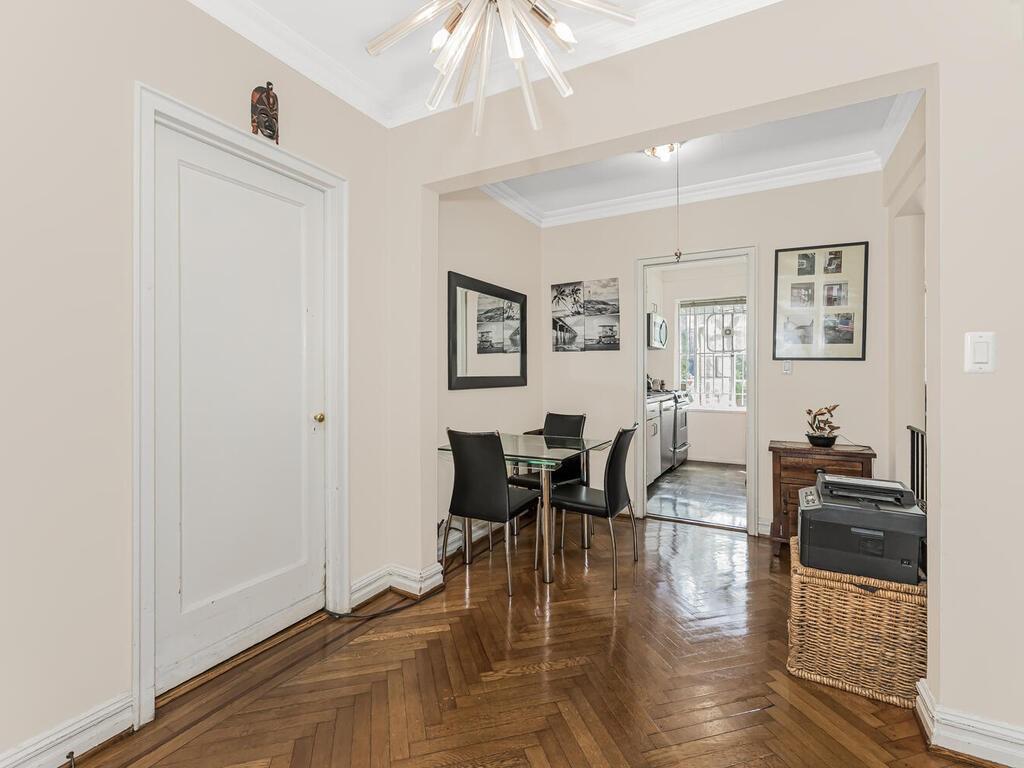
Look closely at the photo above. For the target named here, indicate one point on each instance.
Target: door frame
(153, 108)
(750, 253)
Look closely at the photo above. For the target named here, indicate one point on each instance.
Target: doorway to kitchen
(697, 366)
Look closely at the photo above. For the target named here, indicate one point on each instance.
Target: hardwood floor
(700, 491)
(683, 666)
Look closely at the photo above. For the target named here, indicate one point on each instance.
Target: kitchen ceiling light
(662, 152)
(465, 39)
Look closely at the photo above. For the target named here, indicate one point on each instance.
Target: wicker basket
(866, 636)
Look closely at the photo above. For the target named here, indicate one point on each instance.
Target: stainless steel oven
(681, 431)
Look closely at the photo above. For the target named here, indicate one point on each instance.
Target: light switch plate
(979, 352)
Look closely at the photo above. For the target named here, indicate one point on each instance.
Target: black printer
(862, 526)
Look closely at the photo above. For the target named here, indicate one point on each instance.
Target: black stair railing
(919, 465)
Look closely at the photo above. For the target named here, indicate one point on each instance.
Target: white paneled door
(240, 389)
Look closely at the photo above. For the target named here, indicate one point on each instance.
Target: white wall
(839, 211)
(481, 238)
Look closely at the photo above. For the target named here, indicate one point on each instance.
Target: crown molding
(966, 734)
(515, 202)
(265, 31)
(896, 123)
(599, 40)
(778, 178)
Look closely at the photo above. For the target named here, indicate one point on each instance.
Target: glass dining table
(545, 454)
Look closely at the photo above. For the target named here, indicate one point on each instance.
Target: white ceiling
(326, 41)
(824, 145)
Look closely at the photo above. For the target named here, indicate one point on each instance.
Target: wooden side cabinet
(795, 465)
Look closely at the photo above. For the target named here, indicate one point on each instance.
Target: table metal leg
(586, 525)
(548, 526)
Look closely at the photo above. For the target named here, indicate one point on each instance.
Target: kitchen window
(713, 352)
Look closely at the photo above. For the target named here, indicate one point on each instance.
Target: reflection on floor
(684, 666)
(701, 491)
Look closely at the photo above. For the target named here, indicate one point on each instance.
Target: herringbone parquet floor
(684, 666)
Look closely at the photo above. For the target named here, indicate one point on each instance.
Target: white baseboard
(79, 734)
(967, 734)
(397, 576)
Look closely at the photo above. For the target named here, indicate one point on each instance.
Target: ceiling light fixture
(466, 36)
(662, 152)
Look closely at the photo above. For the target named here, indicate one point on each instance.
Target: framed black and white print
(821, 302)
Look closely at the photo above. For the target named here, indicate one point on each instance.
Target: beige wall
(66, 294)
(66, 315)
(840, 211)
(483, 239)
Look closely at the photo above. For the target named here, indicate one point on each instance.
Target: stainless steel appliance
(668, 429)
(652, 425)
(680, 430)
(657, 331)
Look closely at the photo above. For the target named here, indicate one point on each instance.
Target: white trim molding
(777, 178)
(896, 123)
(152, 109)
(396, 576)
(969, 735)
(79, 734)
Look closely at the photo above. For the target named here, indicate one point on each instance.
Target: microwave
(657, 331)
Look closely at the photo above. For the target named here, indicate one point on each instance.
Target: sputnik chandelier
(465, 40)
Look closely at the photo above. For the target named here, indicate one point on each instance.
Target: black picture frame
(457, 382)
(863, 309)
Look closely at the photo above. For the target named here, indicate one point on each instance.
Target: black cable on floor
(367, 616)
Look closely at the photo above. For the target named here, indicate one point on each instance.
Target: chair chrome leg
(444, 545)
(515, 526)
(615, 559)
(467, 541)
(508, 556)
(536, 540)
(490, 537)
(563, 530)
(632, 521)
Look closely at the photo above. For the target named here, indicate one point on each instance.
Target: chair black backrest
(481, 480)
(616, 492)
(566, 425)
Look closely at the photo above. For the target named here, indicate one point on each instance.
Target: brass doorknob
(319, 418)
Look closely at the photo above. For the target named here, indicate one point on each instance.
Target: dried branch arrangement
(820, 421)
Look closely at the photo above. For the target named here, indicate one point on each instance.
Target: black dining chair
(571, 471)
(482, 492)
(609, 502)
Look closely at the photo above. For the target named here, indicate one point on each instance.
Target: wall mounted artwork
(264, 112)
(585, 316)
(821, 300)
(498, 329)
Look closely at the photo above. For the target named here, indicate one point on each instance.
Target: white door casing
(240, 496)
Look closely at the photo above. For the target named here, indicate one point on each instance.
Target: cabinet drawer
(804, 469)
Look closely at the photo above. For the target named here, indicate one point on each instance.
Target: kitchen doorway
(696, 365)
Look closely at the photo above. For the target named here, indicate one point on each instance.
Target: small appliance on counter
(657, 331)
(864, 527)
